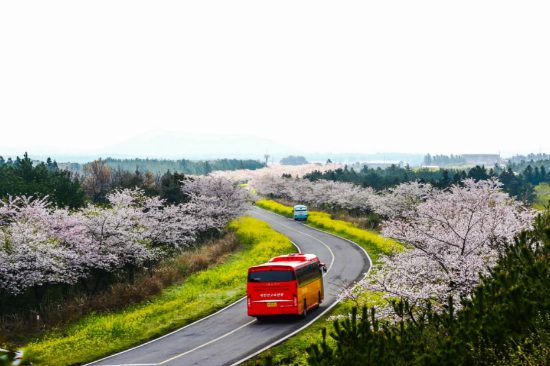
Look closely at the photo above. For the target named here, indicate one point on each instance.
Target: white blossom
(453, 237)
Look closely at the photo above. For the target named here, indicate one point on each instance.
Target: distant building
(482, 159)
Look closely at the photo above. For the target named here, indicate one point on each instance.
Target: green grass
(293, 350)
(542, 192)
(201, 294)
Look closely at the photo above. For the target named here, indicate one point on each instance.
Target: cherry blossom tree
(214, 201)
(29, 256)
(453, 237)
(42, 245)
(322, 193)
(277, 170)
(399, 200)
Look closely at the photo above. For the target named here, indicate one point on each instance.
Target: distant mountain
(197, 146)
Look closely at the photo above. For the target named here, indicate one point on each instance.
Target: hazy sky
(339, 76)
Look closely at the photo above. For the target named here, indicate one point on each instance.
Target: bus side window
(307, 273)
(311, 273)
(300, 275)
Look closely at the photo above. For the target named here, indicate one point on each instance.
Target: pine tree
(428, 159)
(543, 176)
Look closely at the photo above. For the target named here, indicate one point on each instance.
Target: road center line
(338, 299)
(252, 321)
(207, 343)
(311, 236)
(236, 329)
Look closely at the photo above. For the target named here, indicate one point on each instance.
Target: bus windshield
(271, 276)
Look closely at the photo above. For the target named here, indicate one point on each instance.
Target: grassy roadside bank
(293, 350)
(202, 293)
(16, 330)
(542, 192)
(372, 242)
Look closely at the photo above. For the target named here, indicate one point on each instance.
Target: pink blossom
(41, 245)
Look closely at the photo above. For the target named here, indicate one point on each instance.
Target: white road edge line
(161, 337)
(215, 339)
(338, 299)
(207, 343)
(241, 299)
(252, 321)
(168, 334)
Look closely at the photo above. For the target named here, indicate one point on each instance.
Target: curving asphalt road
(229, 336)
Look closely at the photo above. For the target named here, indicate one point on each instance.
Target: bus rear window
(270, 276)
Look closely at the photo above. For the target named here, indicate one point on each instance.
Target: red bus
(287, 284)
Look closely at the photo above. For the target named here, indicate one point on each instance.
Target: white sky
(318, 76)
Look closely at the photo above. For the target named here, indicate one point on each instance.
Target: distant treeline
(99, 179)
(440, 160)
(519, 185)
(529, 158)
(294, 160)
(75, 185)
(521, 165)
(161, 166)
(519, 160)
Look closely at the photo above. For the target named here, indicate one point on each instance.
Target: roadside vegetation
(57, 315)
(505, 321)
(201, 293)
(372, 242)
(51, 257)
(276, 207)
(542, 192)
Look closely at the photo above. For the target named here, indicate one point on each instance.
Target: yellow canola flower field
(202, 293)
(276, 207)
(372, 242)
